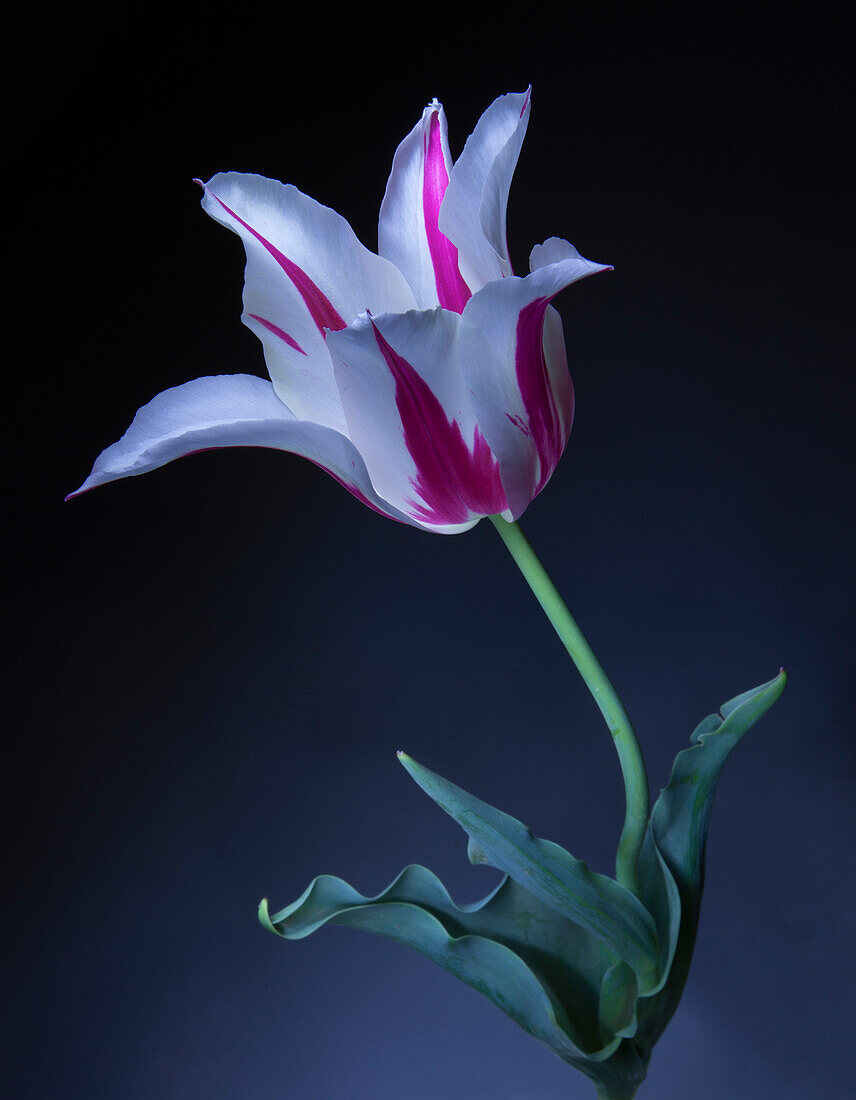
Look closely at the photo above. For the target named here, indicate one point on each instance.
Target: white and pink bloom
(429, 380)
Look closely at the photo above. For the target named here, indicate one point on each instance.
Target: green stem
(629, 753)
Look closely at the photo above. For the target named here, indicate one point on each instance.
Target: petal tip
(79, 491)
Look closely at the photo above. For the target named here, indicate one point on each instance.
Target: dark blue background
(211, 666)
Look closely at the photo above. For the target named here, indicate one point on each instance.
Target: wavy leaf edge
(565, 1041)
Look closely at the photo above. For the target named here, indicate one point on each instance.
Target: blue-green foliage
(579, 962)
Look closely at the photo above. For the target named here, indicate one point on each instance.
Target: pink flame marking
(319, 306)
(452, 292)
(519, 423)
(277, 331)
(548, 432)
(453, 481)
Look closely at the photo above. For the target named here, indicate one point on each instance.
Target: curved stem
(629, 753)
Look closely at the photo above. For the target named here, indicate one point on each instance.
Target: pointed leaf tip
(407, 761)
(264, 917)
(760, 699)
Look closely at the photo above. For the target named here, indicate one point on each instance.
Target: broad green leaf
(554, 876)
(543, 971)
(672, 864)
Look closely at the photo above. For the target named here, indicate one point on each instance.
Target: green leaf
(672, 862)
(474, 942)
(597, 903)
(543, 971)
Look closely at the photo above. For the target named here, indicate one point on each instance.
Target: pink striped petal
(452, 291)
(410, 416)
(409, 233)
(453, 482)
(230, 410)
(473, 216)
(513, 358)
(306, 273)
(549, 410)
(320, 307)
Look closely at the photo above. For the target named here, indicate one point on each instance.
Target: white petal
(523, 400)
(410, 416)
(306, 272)
(229, 410)
(474, 209)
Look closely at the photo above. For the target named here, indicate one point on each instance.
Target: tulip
(428, 380)
(432, 383)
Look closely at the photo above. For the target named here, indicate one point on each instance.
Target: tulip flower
(429, 380)
(432, 383)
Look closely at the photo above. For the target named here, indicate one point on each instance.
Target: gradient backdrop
(211, 666)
